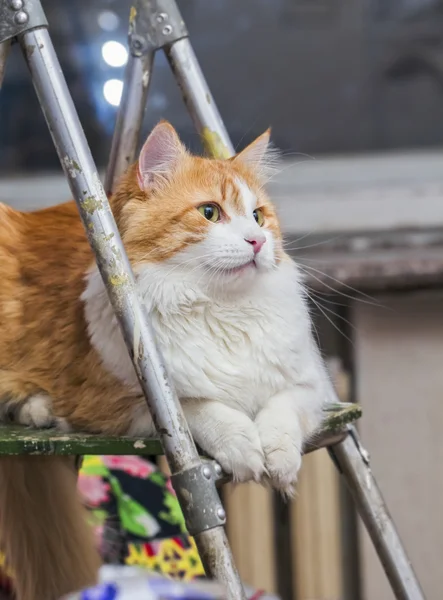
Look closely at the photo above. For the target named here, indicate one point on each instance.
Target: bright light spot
(114, 53)
(108, 20)
(112, 91)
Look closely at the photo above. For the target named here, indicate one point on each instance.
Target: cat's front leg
(227, 435)
(284, 423)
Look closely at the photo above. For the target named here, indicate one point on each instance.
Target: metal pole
(4, 52)
(198, 99)
(130, 117)
(353, 463)
(105, 241)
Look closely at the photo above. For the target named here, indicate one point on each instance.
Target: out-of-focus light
(114, 53)
(112, 91)
(108, 20)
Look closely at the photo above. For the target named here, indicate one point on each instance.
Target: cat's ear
(260, 156)
(255, 154)
(159, 157)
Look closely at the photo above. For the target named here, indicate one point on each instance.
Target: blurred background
(353, 91)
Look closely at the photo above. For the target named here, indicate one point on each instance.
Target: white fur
(36, 411)
(238, 347)
(248, 196)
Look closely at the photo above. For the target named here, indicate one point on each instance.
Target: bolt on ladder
(157, 25)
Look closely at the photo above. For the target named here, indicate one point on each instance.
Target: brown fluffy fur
(43, 528)
(44, 347)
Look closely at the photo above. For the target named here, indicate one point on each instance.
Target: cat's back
(43, 255)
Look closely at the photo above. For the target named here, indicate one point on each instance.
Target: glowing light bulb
(112, 91)
(114, 53)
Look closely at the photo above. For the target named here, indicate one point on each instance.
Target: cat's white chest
(222, 353)
(238, 352)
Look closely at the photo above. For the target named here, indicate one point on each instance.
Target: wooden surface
(399, 382)
(250, 530)
(21, 440)
(346, 269)
(315, 531)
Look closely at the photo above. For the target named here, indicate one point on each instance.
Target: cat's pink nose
(256, 243)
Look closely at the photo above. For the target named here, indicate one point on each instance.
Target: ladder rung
(16, 439)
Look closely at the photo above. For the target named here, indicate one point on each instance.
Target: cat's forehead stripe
(247, 195)
(238, 196)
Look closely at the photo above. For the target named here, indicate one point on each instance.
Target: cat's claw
(283, 465)
(282, 459)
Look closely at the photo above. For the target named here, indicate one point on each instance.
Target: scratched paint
(90, 204)
(213, 144)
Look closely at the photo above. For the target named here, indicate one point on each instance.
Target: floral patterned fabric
(137, 517)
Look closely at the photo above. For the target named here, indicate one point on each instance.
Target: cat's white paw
(227, 435)
(282, 456)
(240, 455)
(36, 412)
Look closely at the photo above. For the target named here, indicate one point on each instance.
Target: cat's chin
(250, 266)
(238, 279)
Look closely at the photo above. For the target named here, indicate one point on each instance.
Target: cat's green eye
(259, 216)
(211, 212)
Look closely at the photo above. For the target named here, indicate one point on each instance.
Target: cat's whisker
(309, 272)
(331, 311)
(326, 297)
(321, 243)
(328, 318)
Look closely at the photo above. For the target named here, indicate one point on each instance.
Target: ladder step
(16, 439)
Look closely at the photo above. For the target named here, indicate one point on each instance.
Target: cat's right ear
(159, 157)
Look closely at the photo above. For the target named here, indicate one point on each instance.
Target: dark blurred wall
(328, 75)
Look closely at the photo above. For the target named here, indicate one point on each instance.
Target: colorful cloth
(137, 517)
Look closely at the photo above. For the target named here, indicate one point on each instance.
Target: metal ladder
(157, 25)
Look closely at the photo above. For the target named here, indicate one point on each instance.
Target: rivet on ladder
(207, 472)
(221, 514)
(21, 17)
(16, 4)
(167, 29)
(161, 17)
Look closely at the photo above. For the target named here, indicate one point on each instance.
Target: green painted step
(15, 439)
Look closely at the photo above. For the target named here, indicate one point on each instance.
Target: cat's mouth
(234, 270)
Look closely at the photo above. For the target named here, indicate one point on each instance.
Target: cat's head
(204, 218)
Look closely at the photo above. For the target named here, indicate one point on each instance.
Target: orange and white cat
(230, 316)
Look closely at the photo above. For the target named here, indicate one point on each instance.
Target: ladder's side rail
(130, 117)
(152, 25)
(199, 100)
(156, 25)
(4, 51)
(352, 461)
(114, 267)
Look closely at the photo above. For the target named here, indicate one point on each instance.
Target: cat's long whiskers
(328, 318)
(326, 297)
(320, 243)
(308, 271)
(349, 287)
(302, 237)
(331, 311)
(187, 262)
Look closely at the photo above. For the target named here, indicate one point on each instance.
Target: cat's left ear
(159, 157)
(256, 155)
